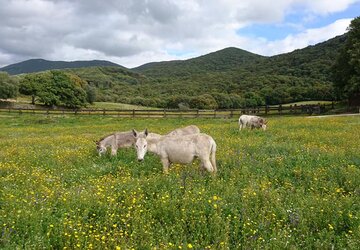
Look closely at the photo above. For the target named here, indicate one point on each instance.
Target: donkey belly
(181, 159)
(181, 156)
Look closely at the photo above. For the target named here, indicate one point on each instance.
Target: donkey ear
(146, 132)
(96, 142)
(135, 133)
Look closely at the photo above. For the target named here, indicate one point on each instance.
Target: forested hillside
(219, 61)
(229, 78)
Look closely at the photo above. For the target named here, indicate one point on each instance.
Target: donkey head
(140, 144)
(263, 123)
(101, 149)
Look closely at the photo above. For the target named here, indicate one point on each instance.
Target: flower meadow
(296, 185)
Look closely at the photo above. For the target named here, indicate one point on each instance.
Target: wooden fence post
(104, 111)
(164, 113)
(133, 113)
(280, 109)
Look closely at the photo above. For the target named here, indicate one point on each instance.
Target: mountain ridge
(39, 64)
(225, 59)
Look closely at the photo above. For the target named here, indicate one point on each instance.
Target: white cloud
(136, 32)
(326, 6)
(301, 40)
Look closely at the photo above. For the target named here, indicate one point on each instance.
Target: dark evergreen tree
(346, 71)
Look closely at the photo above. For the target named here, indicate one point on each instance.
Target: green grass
(25, 101)
(305, 103)
(296, 185)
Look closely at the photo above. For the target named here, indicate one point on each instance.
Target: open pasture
(296, 185)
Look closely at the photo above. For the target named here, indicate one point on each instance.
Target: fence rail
(190, 113)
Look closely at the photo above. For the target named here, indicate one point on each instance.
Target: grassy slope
(294, 186)
(25, 102)
(113, 105)
(306, 103)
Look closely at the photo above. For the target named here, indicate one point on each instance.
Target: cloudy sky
(135, 32)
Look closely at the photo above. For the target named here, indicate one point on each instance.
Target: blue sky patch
(295, 22)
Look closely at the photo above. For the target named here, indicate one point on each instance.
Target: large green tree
(8, 86)
(346, 71)
(55, 88)
(32, 84)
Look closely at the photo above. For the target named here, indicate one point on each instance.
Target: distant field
(306, 103)
(296, 185)
(25, 102)
(113, 105)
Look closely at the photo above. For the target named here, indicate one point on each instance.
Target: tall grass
(296, 185)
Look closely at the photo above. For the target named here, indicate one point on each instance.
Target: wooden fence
(190, 113)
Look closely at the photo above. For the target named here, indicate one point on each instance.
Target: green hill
(303, 74)
(229, 78)
(222, 60)
(312, 61)
(37, 65)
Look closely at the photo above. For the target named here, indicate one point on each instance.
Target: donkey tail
(213, 155)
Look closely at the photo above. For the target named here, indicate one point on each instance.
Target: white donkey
(252, 121)
(178, 149)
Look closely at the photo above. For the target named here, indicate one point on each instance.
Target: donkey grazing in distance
(252, 121)
(178, 149)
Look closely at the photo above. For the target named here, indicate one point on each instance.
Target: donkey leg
(165, 162)
(207, 165)
(202, 168)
